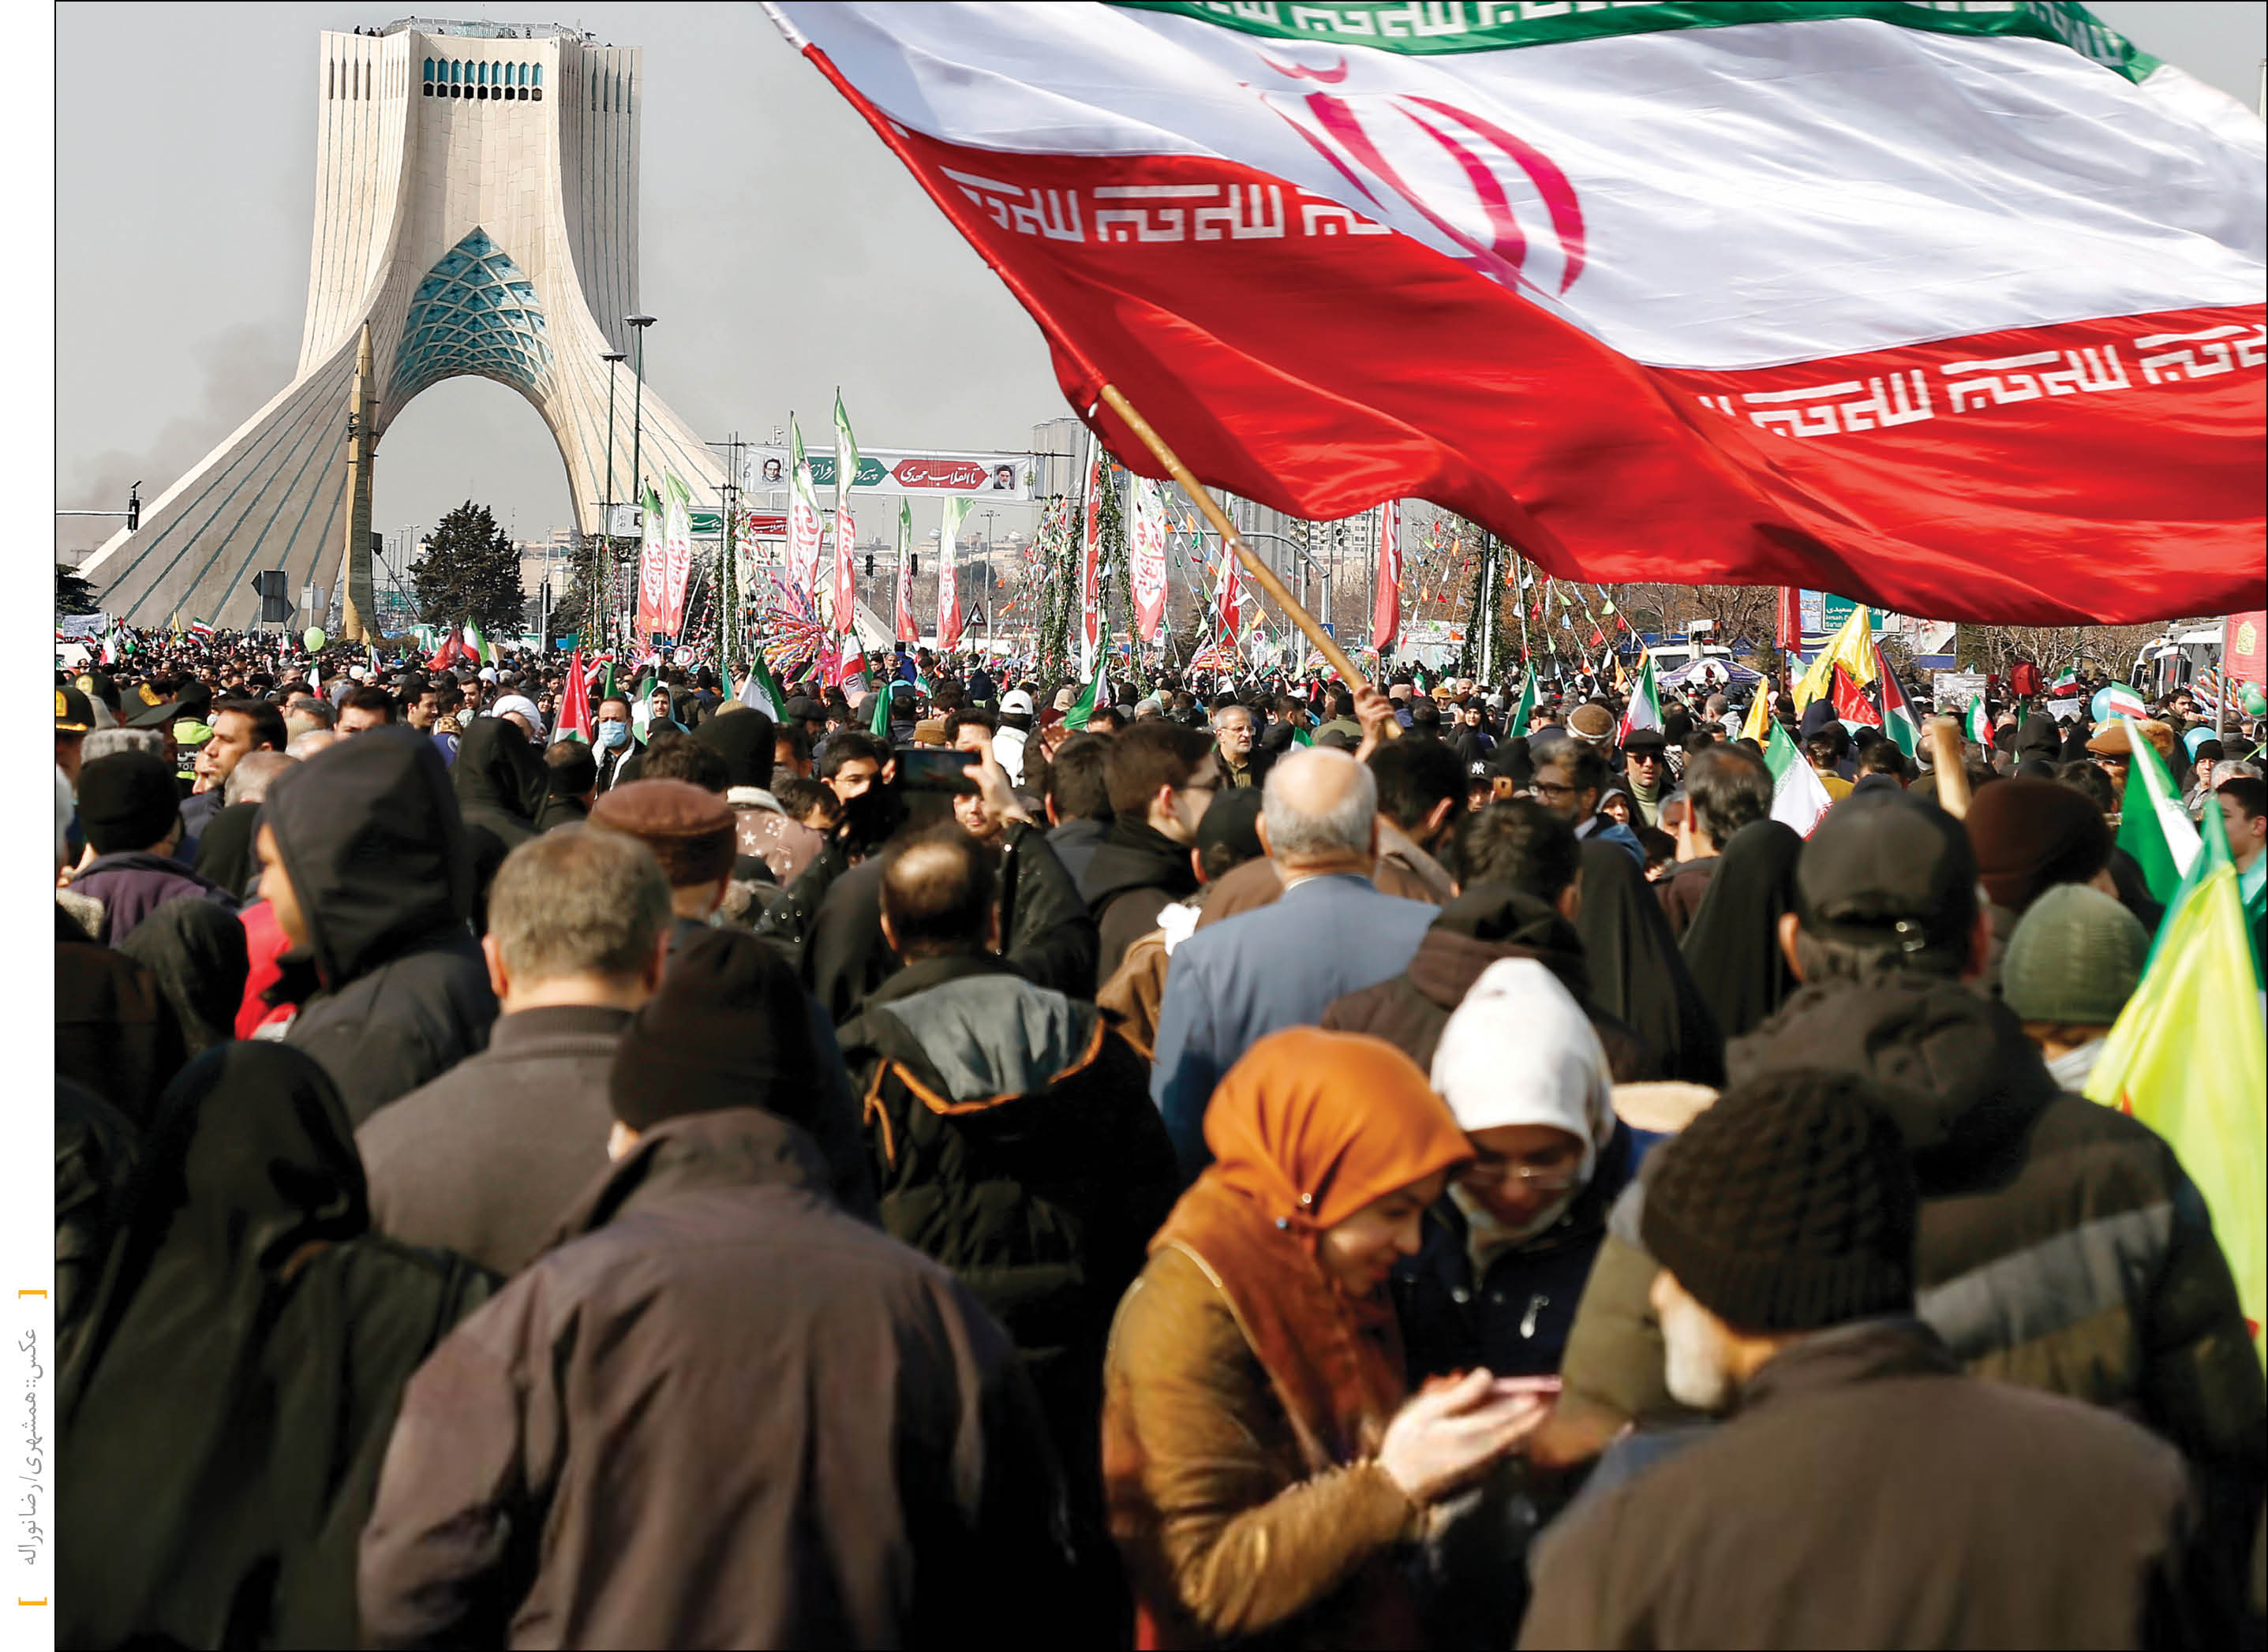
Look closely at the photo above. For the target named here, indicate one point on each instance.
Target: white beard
(1699, 1372)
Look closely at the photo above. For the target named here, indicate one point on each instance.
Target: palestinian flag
(1798, 800)
(759, 690)
(1645, 709)
(2116, 701)
(1976, 727)
(1898, 719)
(2152, 826)
(2201, 991)
(1652, 321)
(575, 723)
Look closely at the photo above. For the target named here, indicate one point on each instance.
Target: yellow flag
(1758, 727)
(1853, 647)
(2188, 1057)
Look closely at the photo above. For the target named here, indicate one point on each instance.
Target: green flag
(2152, 826)
(642, 707)
(1976, 727)
(881, 726)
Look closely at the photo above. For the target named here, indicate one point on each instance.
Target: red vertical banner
(1787, 635)
(2246, 657)
(1225, 597)
(1386, 600)
(908, 631)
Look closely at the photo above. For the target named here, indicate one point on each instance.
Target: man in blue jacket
(1281, 966)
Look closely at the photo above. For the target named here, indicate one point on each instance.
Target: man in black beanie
(1865, 1491)
(129, 809)
(720, 1412)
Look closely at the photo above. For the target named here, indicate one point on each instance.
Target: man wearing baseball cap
(2061, 1246)
(1865, 1491)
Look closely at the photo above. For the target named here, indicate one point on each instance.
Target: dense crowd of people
(1272, 1165)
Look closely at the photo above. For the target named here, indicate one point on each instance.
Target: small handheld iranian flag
(1525, 709)
(1645, 709)
(1976, 727)
(761, 692)
(2068, 684)
(476, 643)
(2152, 826)
(2116, 701)
(1098, 687)
(1798, 799)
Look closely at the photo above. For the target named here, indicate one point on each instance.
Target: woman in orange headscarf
(1262, 1466)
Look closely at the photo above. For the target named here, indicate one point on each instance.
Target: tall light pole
(601, 585)
(637, 413)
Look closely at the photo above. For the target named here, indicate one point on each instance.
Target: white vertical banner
(948, 573)
(1147, 556)
(676, 555)
(802, 522)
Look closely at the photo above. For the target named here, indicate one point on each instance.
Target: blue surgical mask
(613, 734)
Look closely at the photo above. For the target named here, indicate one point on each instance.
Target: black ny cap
(1889, 868)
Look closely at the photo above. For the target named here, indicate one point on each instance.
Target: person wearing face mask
(1263, 1470)
(1508, 1247)
(613, 746)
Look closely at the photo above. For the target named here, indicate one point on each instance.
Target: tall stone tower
(475, 212)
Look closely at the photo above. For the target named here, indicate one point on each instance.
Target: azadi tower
(477, 211)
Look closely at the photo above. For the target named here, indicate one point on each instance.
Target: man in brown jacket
(721, 1413)
(1865, 1492)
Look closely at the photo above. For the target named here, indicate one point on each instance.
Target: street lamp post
(637, 411)
(600, 586)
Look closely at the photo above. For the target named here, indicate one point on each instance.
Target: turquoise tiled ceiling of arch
(476, 312)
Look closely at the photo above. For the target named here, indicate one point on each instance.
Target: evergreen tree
(73, 594)
(471, 571)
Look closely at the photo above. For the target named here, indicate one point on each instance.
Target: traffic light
(870, 564)
(913, 563)
(134, 507)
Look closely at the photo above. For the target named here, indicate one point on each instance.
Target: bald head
(248, 780)
(938, 894)
(1320, 806)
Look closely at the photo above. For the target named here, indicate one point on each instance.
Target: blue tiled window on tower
(476, 312)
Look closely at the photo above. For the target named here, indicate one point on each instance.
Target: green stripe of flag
(1433, 29)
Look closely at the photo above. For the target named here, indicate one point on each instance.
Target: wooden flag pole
(1262, 575)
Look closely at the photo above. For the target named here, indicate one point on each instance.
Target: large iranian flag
(1953, 309)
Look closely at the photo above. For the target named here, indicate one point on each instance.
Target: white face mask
(1694, 1359)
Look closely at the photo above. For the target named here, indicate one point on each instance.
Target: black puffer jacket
(370, 836)
(1487, 923)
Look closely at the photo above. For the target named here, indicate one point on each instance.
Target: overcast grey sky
(783, 249)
